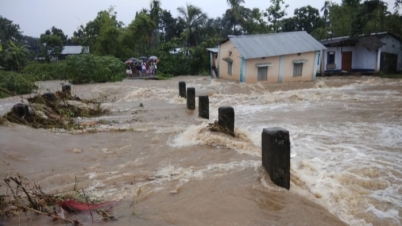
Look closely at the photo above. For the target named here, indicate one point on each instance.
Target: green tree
(340, 19)
(308, 19)
(91, 31)
(325, 10)
(170, 27)
(34, 45)
(275, 13)
(194, 19)
(397, 4)
(370, 17)
(139, 34)
(53, 41)
(16, 56)
(237, 13)
(107, 41)
(255, 23)
(155, 14)
(9, 31)
(288, 24)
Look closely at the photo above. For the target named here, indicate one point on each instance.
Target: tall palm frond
(194, 19)
(16, 55)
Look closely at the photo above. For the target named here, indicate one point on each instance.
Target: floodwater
(165, 168)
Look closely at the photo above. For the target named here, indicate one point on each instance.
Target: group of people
(146, 67)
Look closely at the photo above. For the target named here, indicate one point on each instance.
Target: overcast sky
(36, 16)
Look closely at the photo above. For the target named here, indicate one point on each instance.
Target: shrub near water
(47, 71)
(88, 68)
(15, 83)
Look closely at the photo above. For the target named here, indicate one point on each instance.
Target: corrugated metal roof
(74, 49)
(275, 44)
(214, 50)
(365, 39)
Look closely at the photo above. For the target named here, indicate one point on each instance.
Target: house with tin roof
(73, 50)
(363, 54)
(268, 58)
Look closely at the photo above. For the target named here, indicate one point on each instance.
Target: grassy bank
(395, 76)
(12, 83)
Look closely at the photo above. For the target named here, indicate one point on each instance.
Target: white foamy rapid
(347, 139)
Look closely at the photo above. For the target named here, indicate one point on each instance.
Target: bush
(15, 83)
(47, 71)
(195, 63)
(88, 68)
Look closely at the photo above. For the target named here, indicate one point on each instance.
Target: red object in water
(74, 206)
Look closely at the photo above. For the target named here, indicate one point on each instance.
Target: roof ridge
(266, 34)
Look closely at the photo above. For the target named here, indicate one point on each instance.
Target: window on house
(230, 68)
(297, 69)
(331, 57)
(262, 73)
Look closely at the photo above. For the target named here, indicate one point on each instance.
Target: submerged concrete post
(191, 98)
(226, 118)
(275, 147)
(182, 89)
(203, 107)
(66, 89)
(49, 96)
(21, 110)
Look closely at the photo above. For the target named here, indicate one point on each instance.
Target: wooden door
(347, 61)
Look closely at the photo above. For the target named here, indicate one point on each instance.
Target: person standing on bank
(144, 69)
(155, 68)
(151, 68)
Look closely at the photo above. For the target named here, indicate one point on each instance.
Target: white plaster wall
(362, 58)
(392, 45)
(338, 56)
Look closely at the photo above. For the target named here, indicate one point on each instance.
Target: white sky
(36, 16)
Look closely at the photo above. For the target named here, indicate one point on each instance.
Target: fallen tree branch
(54, 216)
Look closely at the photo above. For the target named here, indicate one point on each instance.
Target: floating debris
(216, 127)
(53, 110)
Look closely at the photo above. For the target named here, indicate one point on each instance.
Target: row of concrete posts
(275, 144)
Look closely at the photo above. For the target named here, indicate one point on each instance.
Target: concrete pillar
(182, 89)
(191, 98)
(21, 110)
(203, 107)
(275, 147)
(66, 89)
(226, 118)
(49, 96)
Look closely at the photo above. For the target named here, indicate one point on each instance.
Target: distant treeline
(154, 31)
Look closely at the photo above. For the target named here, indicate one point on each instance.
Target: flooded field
(165, 168)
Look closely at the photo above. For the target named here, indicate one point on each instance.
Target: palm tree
(194, 19)
(237, 13)
(17, 55)
(325, 10)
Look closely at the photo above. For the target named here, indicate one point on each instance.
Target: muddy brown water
(165, 168)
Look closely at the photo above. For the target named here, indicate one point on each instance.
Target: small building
(73, 50)
(363, 54)
(270, 58)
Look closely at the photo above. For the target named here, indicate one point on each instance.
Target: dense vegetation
(88, 68)
(154, 31)
(12, 83)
